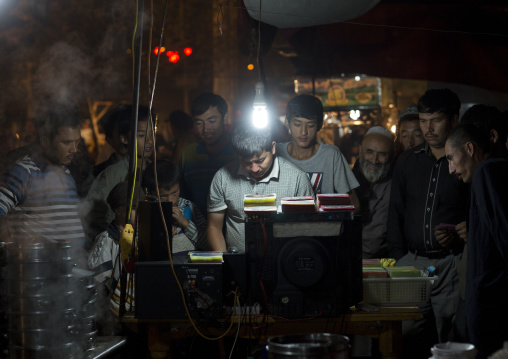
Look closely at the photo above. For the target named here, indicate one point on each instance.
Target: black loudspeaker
(151, 234)
(303, 265)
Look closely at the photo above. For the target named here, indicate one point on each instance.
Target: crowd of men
(435, 195)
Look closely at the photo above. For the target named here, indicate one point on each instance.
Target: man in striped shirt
(38, 196)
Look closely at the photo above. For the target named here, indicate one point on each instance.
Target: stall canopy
(300, 13)
(449, 41)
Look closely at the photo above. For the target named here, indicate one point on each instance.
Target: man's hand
(445, 238)
(461, 229)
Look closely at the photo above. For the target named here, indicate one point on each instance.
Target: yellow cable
(166, 232)
(135, 154)
(135, 143)
(178, 281)
(129, 230)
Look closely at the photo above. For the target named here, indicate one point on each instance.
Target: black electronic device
(304, 264)
(151, 233)
(158, 295)
(233, 277)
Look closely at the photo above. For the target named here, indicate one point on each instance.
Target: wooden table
(384, 325)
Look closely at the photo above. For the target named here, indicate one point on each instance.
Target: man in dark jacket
(467, 151)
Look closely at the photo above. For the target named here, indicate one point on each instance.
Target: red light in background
(173, 57)
(156, 50)
(187, 51)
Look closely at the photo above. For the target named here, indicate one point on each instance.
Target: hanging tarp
(301, 13)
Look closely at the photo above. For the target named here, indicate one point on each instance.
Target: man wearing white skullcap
(373, 172)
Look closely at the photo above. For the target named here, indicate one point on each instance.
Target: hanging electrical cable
(138, 35)
(259, 112)
(127, 235)
(149, 73)
(127, 250)
(150, 126)
(259, 41)
(128, 243)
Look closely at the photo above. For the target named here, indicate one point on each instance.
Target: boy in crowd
(189, 228)
(104, 256)
(325, 165)
(104, 260)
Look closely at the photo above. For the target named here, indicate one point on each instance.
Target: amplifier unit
(158, 295)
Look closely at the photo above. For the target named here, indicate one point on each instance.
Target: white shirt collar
(274, 173)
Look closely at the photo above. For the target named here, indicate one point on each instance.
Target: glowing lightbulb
(259, 113)
(260, 117)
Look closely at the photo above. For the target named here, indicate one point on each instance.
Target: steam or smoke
(77, 51)
(63, 75)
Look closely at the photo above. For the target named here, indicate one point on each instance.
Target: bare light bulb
(260, 113)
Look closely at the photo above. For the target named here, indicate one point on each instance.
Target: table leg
(158, 350)
(390, 339)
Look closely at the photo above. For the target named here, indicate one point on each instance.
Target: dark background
(82, 50)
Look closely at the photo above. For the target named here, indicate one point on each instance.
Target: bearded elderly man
(373, 171)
